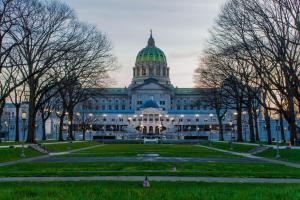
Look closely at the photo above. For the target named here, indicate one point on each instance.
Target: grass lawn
(244, 148)
(111, 190)
(164, 150)
(69, 146)
(261, 170)
(291, 155)
(10, 154)
(9, 143)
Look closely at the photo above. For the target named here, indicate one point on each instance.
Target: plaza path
(149, 159)
(25, 160)
(151, 178)
(247, 155)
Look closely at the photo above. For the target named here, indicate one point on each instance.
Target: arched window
(158, 71)
(143, 71)
(151, 70)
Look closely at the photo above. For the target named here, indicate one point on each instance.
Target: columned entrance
(151, 121)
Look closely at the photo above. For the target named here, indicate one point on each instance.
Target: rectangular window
(162, 102)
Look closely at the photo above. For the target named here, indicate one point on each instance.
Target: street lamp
(182, 126)
(24, 118)
(7, 128)
(231, 129)
(244, 113)
(197, 125)
(276, 118)
(210, 127)
(118, 124)
(91, 124)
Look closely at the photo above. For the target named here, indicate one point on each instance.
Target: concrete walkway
(148, 159)
(247, 155)
(25, 160)
(274, 146)
(151, 178)
(27, 144)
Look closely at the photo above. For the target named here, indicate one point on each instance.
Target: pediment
(151, 86)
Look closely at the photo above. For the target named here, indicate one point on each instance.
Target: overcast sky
(180, 29)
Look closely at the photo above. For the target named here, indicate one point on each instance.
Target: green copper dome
(151, 53)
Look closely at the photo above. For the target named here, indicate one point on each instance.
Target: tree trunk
(221, 132)
(256, 126)
(83, 133)
(2, 104)
(43, 127)
(239, 125)
(17, 123)
(31, 112)
(282, 128)
(61, 126)
(293, 132)
(292, 121)
(268, 127)
(250, 122)
(70, 126)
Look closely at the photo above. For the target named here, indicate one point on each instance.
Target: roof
(195, 91)
(120, 91)
(150, 104)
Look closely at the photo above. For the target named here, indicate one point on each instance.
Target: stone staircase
(131, 129)
(40, 148)
(259, 149)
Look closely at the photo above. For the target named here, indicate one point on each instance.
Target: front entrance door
(151, 130)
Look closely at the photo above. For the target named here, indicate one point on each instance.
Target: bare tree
(49, 28)
(84, 70)
(265, 33)
(206, 76)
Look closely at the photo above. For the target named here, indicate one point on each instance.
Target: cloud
(180, 29)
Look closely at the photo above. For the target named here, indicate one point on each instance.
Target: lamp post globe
(24, 118)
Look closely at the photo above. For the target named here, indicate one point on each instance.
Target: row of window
(104, 107)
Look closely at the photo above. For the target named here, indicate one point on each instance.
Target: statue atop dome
(151, 42)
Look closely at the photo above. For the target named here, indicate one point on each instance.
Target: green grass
(244, 148)
(10, 154)
(111, 190)
(259, 170)
(9, 143)
(291, 155)
(164, 150)
(69, 146)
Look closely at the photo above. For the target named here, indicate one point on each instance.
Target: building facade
(151, 105)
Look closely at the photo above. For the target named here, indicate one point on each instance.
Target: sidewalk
(27, 144)
(152, 178)
(46, 156)
(274, 146)
(247, 155)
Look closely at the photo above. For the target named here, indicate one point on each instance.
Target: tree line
(50, 59)
(252, 62)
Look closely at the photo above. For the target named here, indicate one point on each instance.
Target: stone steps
(38, 147)
(259, 149)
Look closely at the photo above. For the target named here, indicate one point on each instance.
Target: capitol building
(151, 105)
